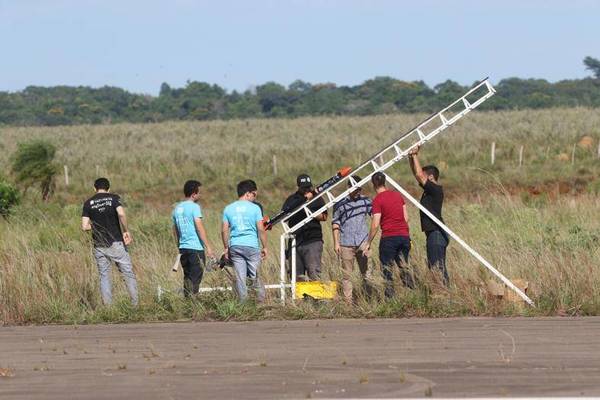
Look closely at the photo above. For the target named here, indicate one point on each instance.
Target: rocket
(342, 173)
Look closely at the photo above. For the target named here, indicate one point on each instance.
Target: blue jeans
(246, 261)
(393, 250)
(436, 253)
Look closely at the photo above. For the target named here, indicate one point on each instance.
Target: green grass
(538, 222)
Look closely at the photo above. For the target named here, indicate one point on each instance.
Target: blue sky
(138, 44)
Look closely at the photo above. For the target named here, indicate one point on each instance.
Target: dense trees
(62, 105)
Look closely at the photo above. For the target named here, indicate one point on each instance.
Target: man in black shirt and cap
(432, 199)
(309, 238)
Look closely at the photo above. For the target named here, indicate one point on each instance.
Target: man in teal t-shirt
(241, 233)
(191, 237)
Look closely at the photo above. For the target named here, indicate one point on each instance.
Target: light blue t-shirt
(242, 217)
(183, 218)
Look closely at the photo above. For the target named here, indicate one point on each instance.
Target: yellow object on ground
(316, 289)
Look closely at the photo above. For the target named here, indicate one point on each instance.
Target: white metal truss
(399, 149)
(396, 151)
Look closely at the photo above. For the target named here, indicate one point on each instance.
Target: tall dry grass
(149, 162)
(547, 236)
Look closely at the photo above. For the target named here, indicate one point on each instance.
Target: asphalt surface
(461, 357)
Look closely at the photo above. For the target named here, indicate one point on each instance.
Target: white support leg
(293, 280)
(282, 279)
(475, 254)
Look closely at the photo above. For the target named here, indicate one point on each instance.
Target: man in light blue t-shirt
(242, 231)
(191, 237)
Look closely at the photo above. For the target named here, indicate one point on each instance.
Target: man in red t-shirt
(389, 212)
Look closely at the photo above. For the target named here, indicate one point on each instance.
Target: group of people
(355, 224)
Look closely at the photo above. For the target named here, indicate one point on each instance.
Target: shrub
(9, 197)
(33, 163)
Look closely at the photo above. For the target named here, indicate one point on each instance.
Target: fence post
(521, 156)
(493, 153)
(599, 149)
(274, 165)
(573, 154)
(66, 175)
(97, 171)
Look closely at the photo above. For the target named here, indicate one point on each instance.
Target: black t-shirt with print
(432, 199)
(311, 232)
(101, 209)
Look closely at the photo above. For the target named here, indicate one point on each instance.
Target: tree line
(65, 105)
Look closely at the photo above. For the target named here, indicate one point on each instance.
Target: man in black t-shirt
(309, 238)
(432, 199)
(104, 215)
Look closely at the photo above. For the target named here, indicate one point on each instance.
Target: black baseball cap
(303, 181)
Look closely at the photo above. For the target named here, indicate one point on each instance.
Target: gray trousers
(246, 261)
(118, 254)
(308, 260)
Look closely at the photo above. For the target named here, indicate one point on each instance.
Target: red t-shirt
(390, 205)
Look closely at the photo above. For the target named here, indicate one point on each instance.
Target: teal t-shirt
(183, 218)
(242, 217)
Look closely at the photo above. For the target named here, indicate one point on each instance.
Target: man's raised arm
(415, 166)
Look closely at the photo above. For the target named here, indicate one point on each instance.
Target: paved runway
(456, 357)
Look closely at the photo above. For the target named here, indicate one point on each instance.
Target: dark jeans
(192, 262)
(394, 250)
(437, 242)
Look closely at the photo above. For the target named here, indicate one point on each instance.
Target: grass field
(538, 221)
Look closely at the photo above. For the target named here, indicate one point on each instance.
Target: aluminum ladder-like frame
(399, 149)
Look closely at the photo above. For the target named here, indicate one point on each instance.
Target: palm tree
(33, 163)
(593, 65)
